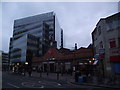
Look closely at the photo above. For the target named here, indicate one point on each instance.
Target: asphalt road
(19, 81)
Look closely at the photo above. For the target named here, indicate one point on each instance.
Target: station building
(64, 60)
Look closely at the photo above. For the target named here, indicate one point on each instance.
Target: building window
(101, 45)
(99, 30)
(119, 41)
(112, 43)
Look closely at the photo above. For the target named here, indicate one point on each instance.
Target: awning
(95, 62)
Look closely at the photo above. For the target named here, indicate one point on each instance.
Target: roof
(55, 54)
(114, 16)
(64, 50)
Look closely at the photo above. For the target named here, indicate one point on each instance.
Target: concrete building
(106, 43)
(32, 36)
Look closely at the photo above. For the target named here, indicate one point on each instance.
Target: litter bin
(84, 78)
(76, 76)
(81, 79)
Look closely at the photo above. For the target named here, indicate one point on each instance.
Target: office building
(32, 36)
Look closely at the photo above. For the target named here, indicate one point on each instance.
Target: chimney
(75, 46)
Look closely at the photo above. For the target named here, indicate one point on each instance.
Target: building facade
(5, 61)
(106, 42)
(32, 36)
(64, 60)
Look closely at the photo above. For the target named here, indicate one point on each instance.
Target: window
(112, 43)
(101, 44)
(119, 41)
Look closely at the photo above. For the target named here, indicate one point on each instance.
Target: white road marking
(59, 84)
(13, 85)
(50, 82)
(42, 86)
(31, 85)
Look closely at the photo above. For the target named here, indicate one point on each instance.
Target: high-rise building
(32, 36)
(106, 43)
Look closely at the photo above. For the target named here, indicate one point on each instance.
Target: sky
(77, 19)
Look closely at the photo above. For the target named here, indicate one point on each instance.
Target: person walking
(30, 71)
(40, 71)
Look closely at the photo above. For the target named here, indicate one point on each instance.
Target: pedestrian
(47, 71)
(24, 70)
(40, 71)
(30, 71)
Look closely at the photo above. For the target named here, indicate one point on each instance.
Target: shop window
(112, 43)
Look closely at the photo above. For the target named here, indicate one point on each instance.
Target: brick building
(63, 59)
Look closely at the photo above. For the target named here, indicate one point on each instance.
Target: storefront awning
(95, 62)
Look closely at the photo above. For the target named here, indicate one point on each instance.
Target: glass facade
(35, 33)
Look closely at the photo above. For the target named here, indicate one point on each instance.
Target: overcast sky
(77, 20)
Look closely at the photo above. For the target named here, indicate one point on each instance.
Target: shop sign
(101, 51)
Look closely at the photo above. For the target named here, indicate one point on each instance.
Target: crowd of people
(22, 70)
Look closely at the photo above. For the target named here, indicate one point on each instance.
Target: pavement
(0, 79)
(13, 80)
(70, 79)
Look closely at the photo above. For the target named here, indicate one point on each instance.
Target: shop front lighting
(26, 63)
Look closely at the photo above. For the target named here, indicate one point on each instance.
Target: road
(19, 81)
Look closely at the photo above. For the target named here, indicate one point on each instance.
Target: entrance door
(52, 69)
(45, 67)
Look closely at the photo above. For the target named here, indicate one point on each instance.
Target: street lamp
(17, 63)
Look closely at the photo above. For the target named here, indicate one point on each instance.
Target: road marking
(59, 84)
(13, 85)
(50, 82)
(31, 85)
